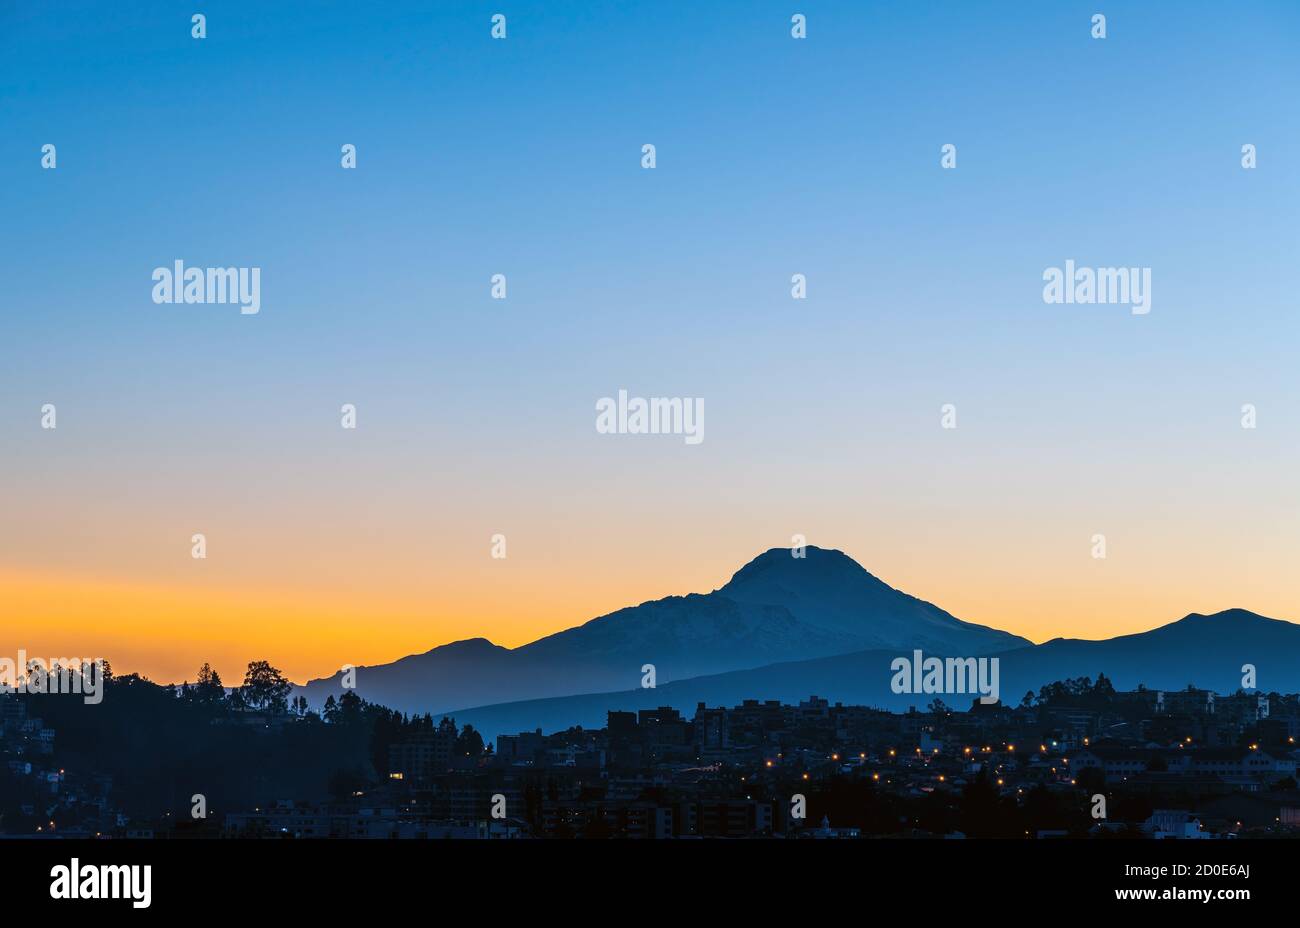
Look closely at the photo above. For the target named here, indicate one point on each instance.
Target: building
(424, 755)
(522, 749)
(1175, 823)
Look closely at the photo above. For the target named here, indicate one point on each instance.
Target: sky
(475, 416)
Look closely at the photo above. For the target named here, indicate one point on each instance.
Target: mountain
(777, 607)
(1206, 650)
(831, 590)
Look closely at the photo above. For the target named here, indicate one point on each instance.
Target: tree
(208, 690)
(208, 676)
(351, 708)
(265, 688)
(331, 711)
(469, 743)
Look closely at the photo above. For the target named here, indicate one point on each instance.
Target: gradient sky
(476, 416)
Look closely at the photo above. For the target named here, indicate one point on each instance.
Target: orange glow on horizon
(166, 632)
(167, 626)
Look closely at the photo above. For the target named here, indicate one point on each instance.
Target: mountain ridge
(778, 605)
(863, 678)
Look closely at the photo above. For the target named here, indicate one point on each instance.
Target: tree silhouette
(265, 688)
(208, 691)
(469, 743)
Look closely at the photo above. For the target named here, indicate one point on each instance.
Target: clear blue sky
(775, 156)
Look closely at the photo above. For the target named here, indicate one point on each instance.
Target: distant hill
(1207, 650)
(777, 607)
